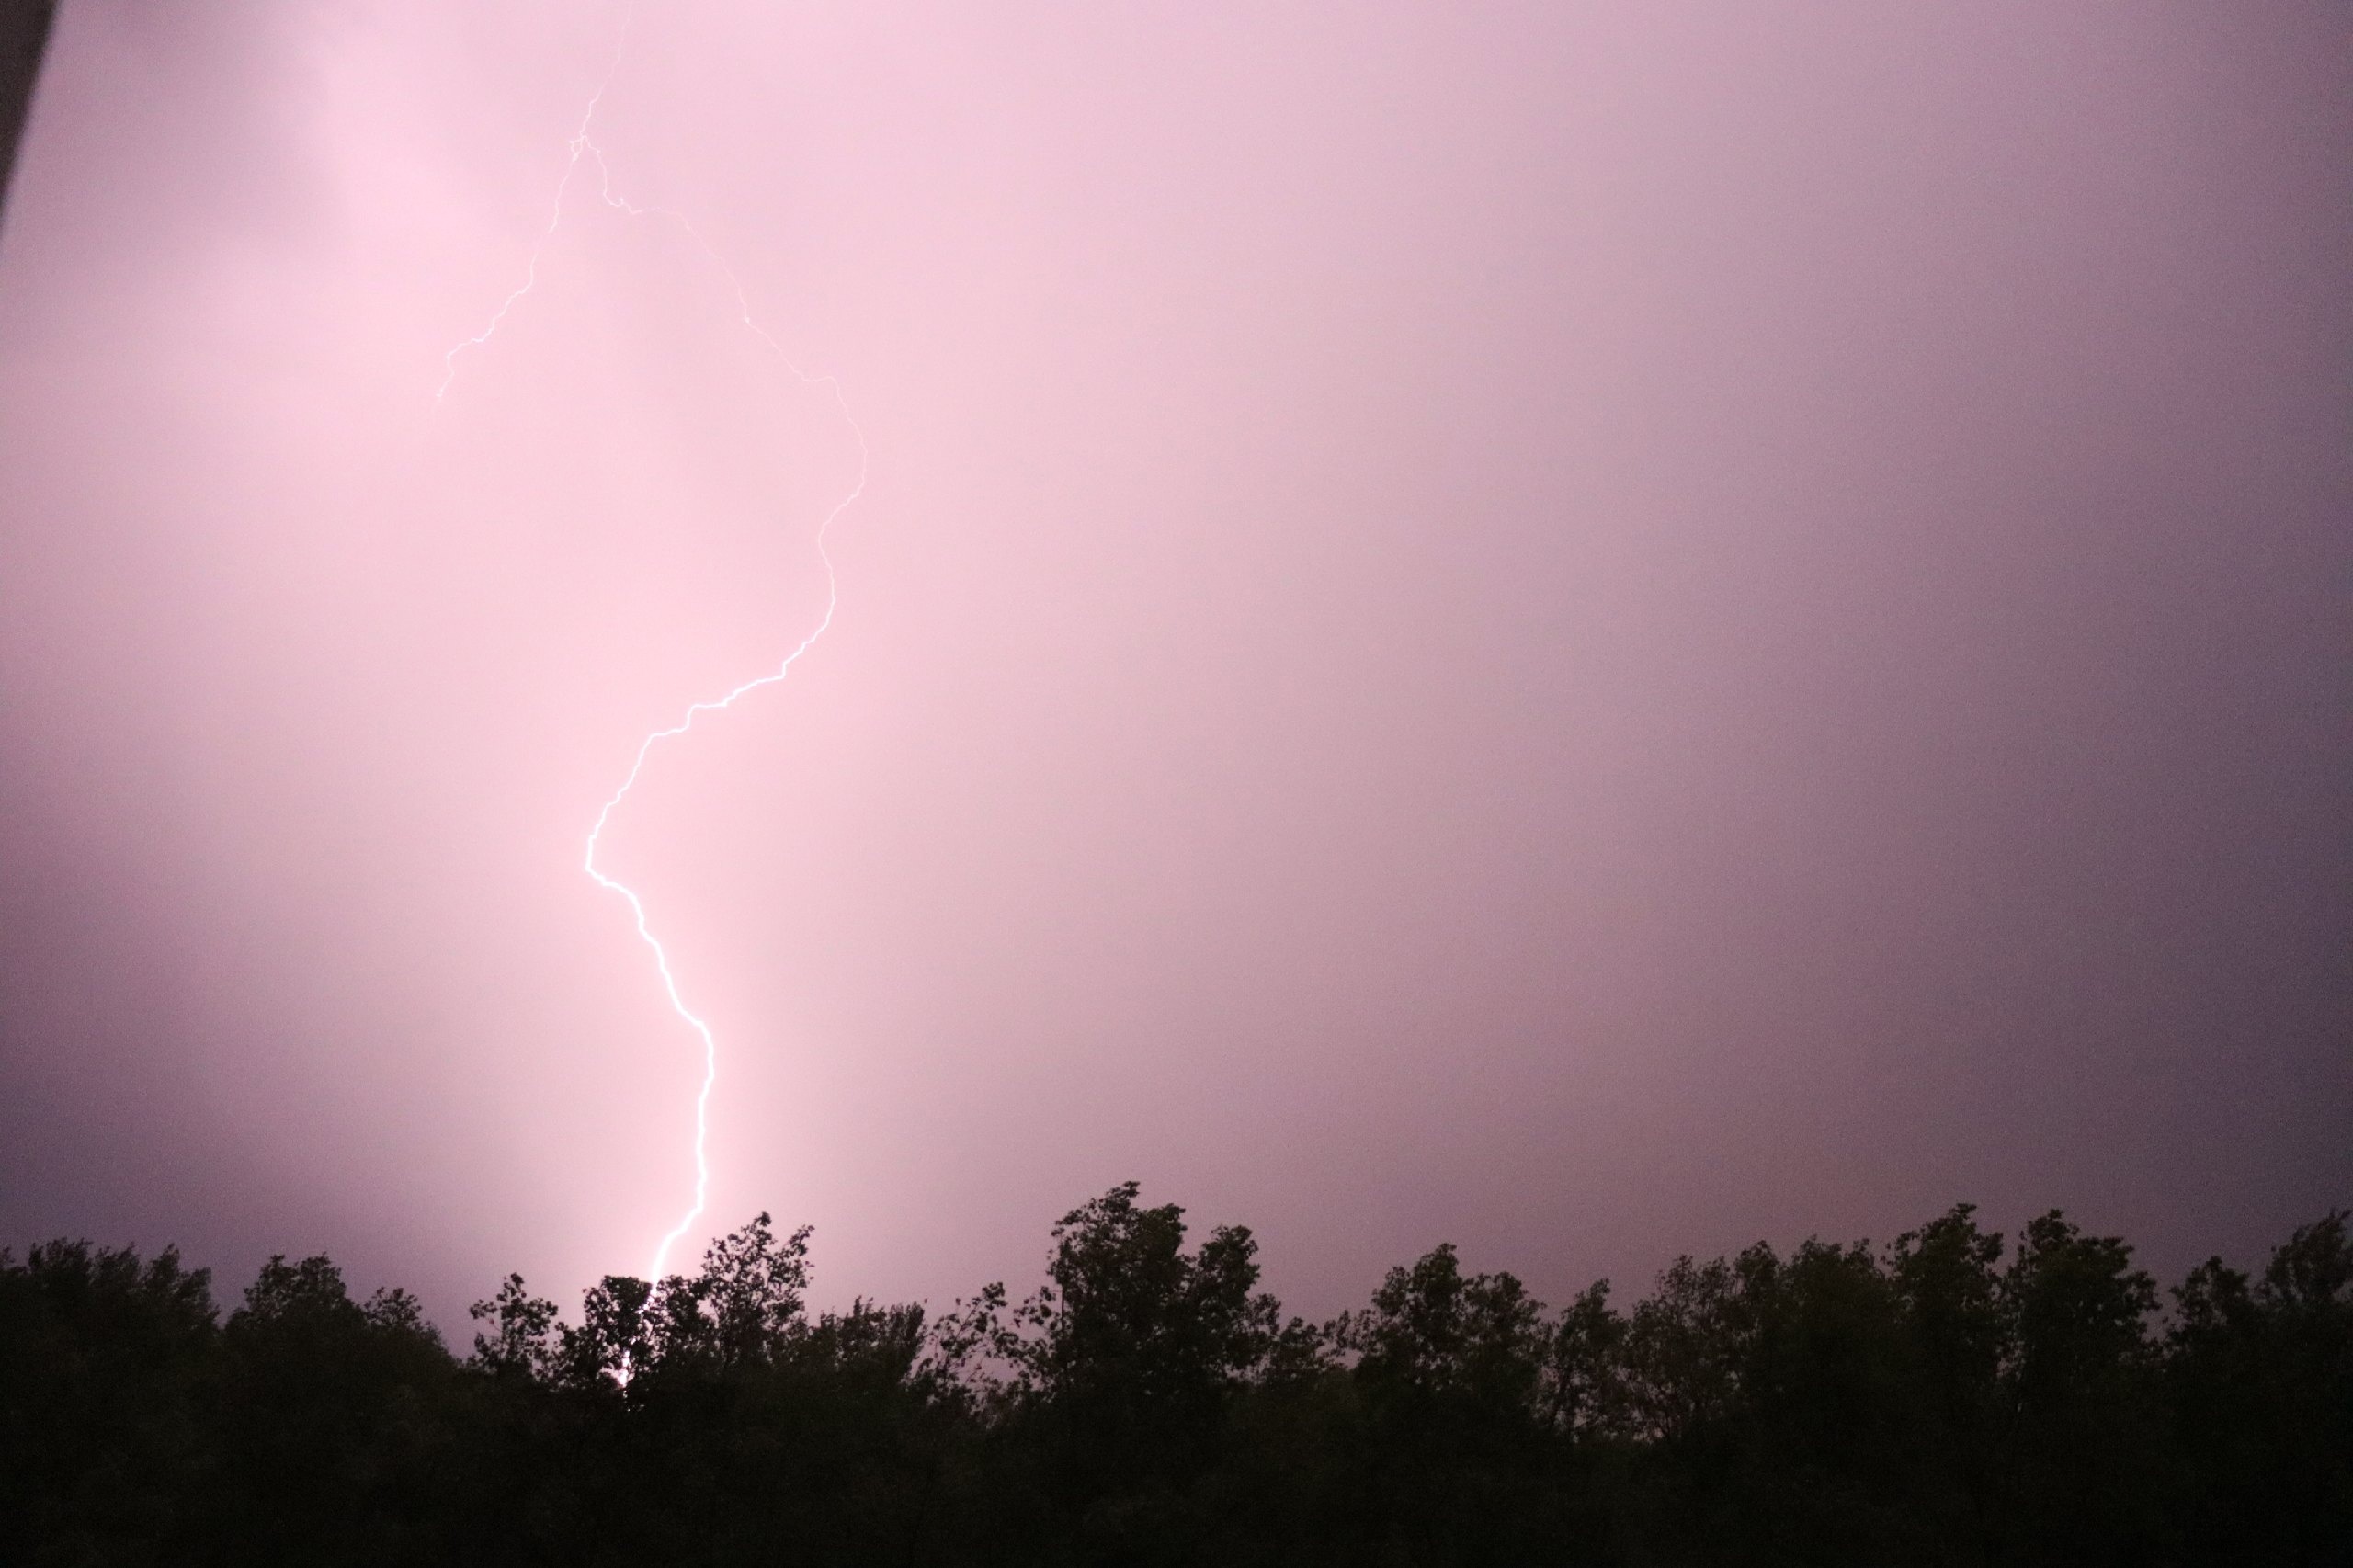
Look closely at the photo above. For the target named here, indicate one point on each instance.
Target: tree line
(1949, 1398)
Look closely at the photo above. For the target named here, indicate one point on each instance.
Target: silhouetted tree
(2083, 1479)
(331, 1440)
(1114, 1383)
(2261, 1379)
(1451, 1368)
(1942, 1401)
(104, 1366)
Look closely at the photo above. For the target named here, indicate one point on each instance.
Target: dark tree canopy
(1950, 1398)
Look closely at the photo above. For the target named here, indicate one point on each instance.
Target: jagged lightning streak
(576, 146)
(582, 145)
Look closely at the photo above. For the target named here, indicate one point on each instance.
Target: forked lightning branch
(581, 149)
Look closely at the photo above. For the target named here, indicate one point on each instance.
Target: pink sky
(1594, 629)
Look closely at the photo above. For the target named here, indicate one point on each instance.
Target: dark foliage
(1945, 1400)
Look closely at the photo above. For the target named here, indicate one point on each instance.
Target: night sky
(1596, 629)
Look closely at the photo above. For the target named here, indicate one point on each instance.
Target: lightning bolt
(583, 148)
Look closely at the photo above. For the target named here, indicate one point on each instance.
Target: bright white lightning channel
(582, 146)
